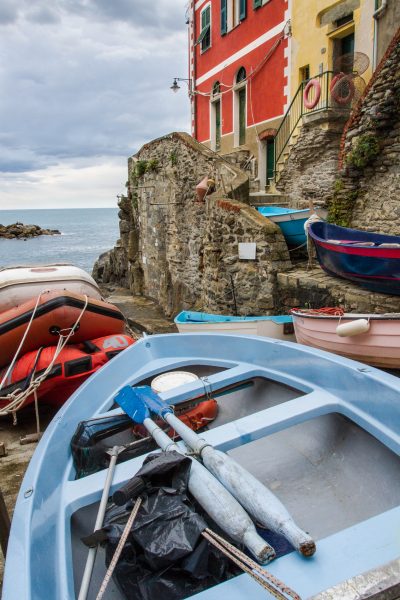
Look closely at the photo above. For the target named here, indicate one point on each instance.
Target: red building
(239, 73)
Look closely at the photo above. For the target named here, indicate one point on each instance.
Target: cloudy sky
(84, 83)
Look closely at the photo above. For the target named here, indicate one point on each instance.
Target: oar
(218, 503)
(91, 557)
(256, 498)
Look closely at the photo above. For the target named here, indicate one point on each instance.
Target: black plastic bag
(165, 555)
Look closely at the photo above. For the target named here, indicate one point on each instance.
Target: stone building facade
(311, 168)
(368, 185)
(182, 252)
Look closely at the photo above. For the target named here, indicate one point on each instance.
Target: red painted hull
(72, 367)
(56, 311)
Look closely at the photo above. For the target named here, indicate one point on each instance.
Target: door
(270, 160)
(218, 125)
(347, 50)
(242, 116)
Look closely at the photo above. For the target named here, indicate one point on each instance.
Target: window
(344, 20)
(232, 13)
(240, 108)
(258, 3)
(205, 36)
(304, 73)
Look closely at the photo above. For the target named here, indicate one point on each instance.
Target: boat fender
(353, 328)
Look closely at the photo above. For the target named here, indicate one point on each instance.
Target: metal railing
(297, 110)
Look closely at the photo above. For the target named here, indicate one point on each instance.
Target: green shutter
(205, 29)
(202, 35)
(257, 3)
(224, 17)
(242, 9)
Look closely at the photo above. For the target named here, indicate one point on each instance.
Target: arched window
(241, 75)
(216, 89)
(240, 108)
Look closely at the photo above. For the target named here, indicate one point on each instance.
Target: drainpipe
(379, 12)
(192, 74)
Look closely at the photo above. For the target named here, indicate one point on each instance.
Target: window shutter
(224, 17)
(257, 3)
(242, 9)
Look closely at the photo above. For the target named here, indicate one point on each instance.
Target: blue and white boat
(290, 220)
(321, 431)
(279, 326)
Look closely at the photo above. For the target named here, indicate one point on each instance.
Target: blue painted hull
(291, 222)
(368, 259)
(190, 316)
(323, 387)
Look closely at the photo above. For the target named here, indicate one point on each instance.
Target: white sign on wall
(247, 250)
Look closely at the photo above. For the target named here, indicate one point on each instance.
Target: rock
(20, 231)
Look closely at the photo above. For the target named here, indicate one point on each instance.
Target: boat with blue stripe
(275, 326)
(320, 431)
(371, 260)
(290, 220)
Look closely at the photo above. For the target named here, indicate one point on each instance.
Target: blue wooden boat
(322, 431)
(290, 220)
(279, 326)
(369, 259)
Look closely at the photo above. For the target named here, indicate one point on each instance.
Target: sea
(85, 234)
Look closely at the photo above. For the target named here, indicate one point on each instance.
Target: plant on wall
(363, 152)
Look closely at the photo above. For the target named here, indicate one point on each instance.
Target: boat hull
(329, 446)
(56, 311)
(379, 346)
(341, 253)
(290, 221)
(279, 327)
(20, 284)
(73, 365)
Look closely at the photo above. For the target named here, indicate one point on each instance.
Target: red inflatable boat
(56, 311)
(73, 365)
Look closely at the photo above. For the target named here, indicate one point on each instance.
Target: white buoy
(356, 327)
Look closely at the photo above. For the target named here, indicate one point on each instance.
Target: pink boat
(370, 338)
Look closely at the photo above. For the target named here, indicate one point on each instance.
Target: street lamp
(175, 87)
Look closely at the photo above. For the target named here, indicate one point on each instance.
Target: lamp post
(175, 87)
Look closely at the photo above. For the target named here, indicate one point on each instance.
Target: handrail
(297, 110)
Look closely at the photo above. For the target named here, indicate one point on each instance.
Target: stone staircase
(268, 199)
(257, 197)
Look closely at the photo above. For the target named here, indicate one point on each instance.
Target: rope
(17, 398)
(334, 311)
(270, 583)
(11, 366)
(119, 549)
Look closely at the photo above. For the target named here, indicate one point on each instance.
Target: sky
(84, 84)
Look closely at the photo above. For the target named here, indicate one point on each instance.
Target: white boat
(279, 327)
(21, 283)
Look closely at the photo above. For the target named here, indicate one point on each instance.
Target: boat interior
(328, 471)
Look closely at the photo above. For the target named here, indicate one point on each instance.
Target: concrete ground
(143, 315)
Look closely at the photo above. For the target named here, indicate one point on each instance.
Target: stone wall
(368, 186)
(311, 168)
(182, 252)
(246, 285)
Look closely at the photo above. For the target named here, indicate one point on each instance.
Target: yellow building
(324, 31)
